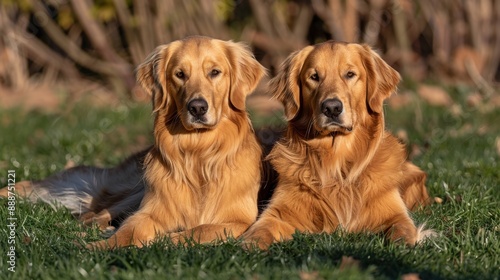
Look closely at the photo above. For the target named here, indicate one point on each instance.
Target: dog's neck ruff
(329, 165)
(201, 157)
(337, 158)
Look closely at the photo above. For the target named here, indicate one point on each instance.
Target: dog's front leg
(209, 232)
(138, 230)
(266, 231)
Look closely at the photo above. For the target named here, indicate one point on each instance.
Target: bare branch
(350, 21)
(144, 20)
(330, 15)
(73, 51)
(493, 62)
(135, 47)
(261, 17)
(303, 22)
(96, 35)
(43, 54)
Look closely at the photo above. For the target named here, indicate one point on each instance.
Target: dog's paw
(255, 244)
(100, 245)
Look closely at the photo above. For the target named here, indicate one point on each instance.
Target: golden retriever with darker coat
(338, 167)
(201, 178)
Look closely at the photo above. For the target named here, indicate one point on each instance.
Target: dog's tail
(92, 194)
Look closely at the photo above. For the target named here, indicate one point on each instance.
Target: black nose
(197, 107)
(331, 107)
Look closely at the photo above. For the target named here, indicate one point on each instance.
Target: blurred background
(68, 97)
(80, 47)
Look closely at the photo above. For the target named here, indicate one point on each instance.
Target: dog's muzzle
(332, 110)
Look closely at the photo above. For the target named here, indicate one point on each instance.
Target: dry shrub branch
(102, 41)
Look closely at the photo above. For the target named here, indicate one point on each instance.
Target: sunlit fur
(352, 174)
(201, 177)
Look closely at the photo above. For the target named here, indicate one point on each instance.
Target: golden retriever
(201, 178)
(338, 167)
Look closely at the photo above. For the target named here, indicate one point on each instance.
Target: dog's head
(199, 80)
(331, 87)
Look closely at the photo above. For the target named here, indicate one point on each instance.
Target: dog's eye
(350, 75)
(314, 77)
(214, 73)
(180, 75)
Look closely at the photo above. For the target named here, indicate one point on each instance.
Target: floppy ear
(286, 85)
(382, 79)
(151, 76)
(246, 73)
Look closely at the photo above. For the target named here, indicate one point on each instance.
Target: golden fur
(202, 175)
(340, 170)
(201, 178)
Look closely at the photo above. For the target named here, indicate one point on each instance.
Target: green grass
(456, 150)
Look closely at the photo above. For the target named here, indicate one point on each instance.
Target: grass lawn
(456, 147)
